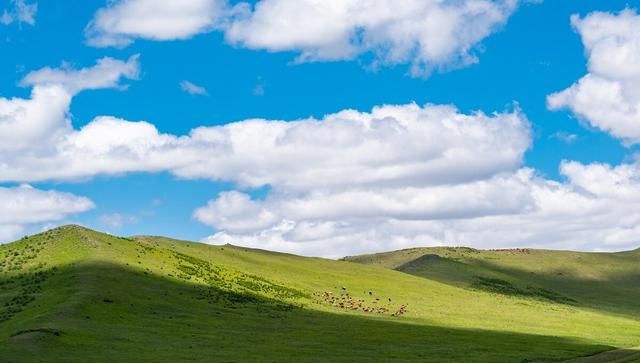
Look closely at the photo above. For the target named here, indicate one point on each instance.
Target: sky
(324, 128)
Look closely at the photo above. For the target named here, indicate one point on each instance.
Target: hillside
(597, 281)
(76, 295)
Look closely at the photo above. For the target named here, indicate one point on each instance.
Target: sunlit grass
(91, 296)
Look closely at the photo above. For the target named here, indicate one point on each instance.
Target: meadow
(75, 295)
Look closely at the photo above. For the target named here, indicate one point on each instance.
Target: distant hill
(597, 281)
(76, 295)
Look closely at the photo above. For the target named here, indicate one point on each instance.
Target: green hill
(76, 295)
(608, 282)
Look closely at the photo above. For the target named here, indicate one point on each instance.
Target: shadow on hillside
(618, 355)
(618, 294)
(119, 314)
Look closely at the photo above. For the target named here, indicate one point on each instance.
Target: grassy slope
(110, 299)
(607, 282)
(600, 282)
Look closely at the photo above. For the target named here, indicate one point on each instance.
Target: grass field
(76, 295)
(608, 282)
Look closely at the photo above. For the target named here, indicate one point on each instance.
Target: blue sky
(535, 52)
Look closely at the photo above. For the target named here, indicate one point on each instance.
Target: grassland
(608, 282)
(76, 295)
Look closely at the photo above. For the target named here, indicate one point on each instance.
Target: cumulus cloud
(35, 127)
(193, 89)
(608, 96)
(595, 209)
(427, 34)
(20, 11)
(349, 182)
(406, 145)
(24, 205)
(25, 122)
(402, 145)
(124, 20)
(236, 212)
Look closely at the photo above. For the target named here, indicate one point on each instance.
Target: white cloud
(107, 73)
(124, 20)
(595, 209)
(427, 34)
(350, 182)
(393, 145)
(504, 194)
(24, 205)
(24, 123)
(10, 232)
(236, 211)
(192, 88)
(20, 11)
(564, 136)
(36, 127)
(608, 96)
(389, 145)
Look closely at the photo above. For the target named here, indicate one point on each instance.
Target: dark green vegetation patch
(499, 286)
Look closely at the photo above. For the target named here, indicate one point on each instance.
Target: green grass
(613, 356)
(604, 282)
(75, 295)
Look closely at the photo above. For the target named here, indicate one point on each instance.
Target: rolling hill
(76, 295)
(596, 281)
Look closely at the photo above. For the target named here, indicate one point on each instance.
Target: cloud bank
(595, 209)
(350, 182)
(426, 34)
